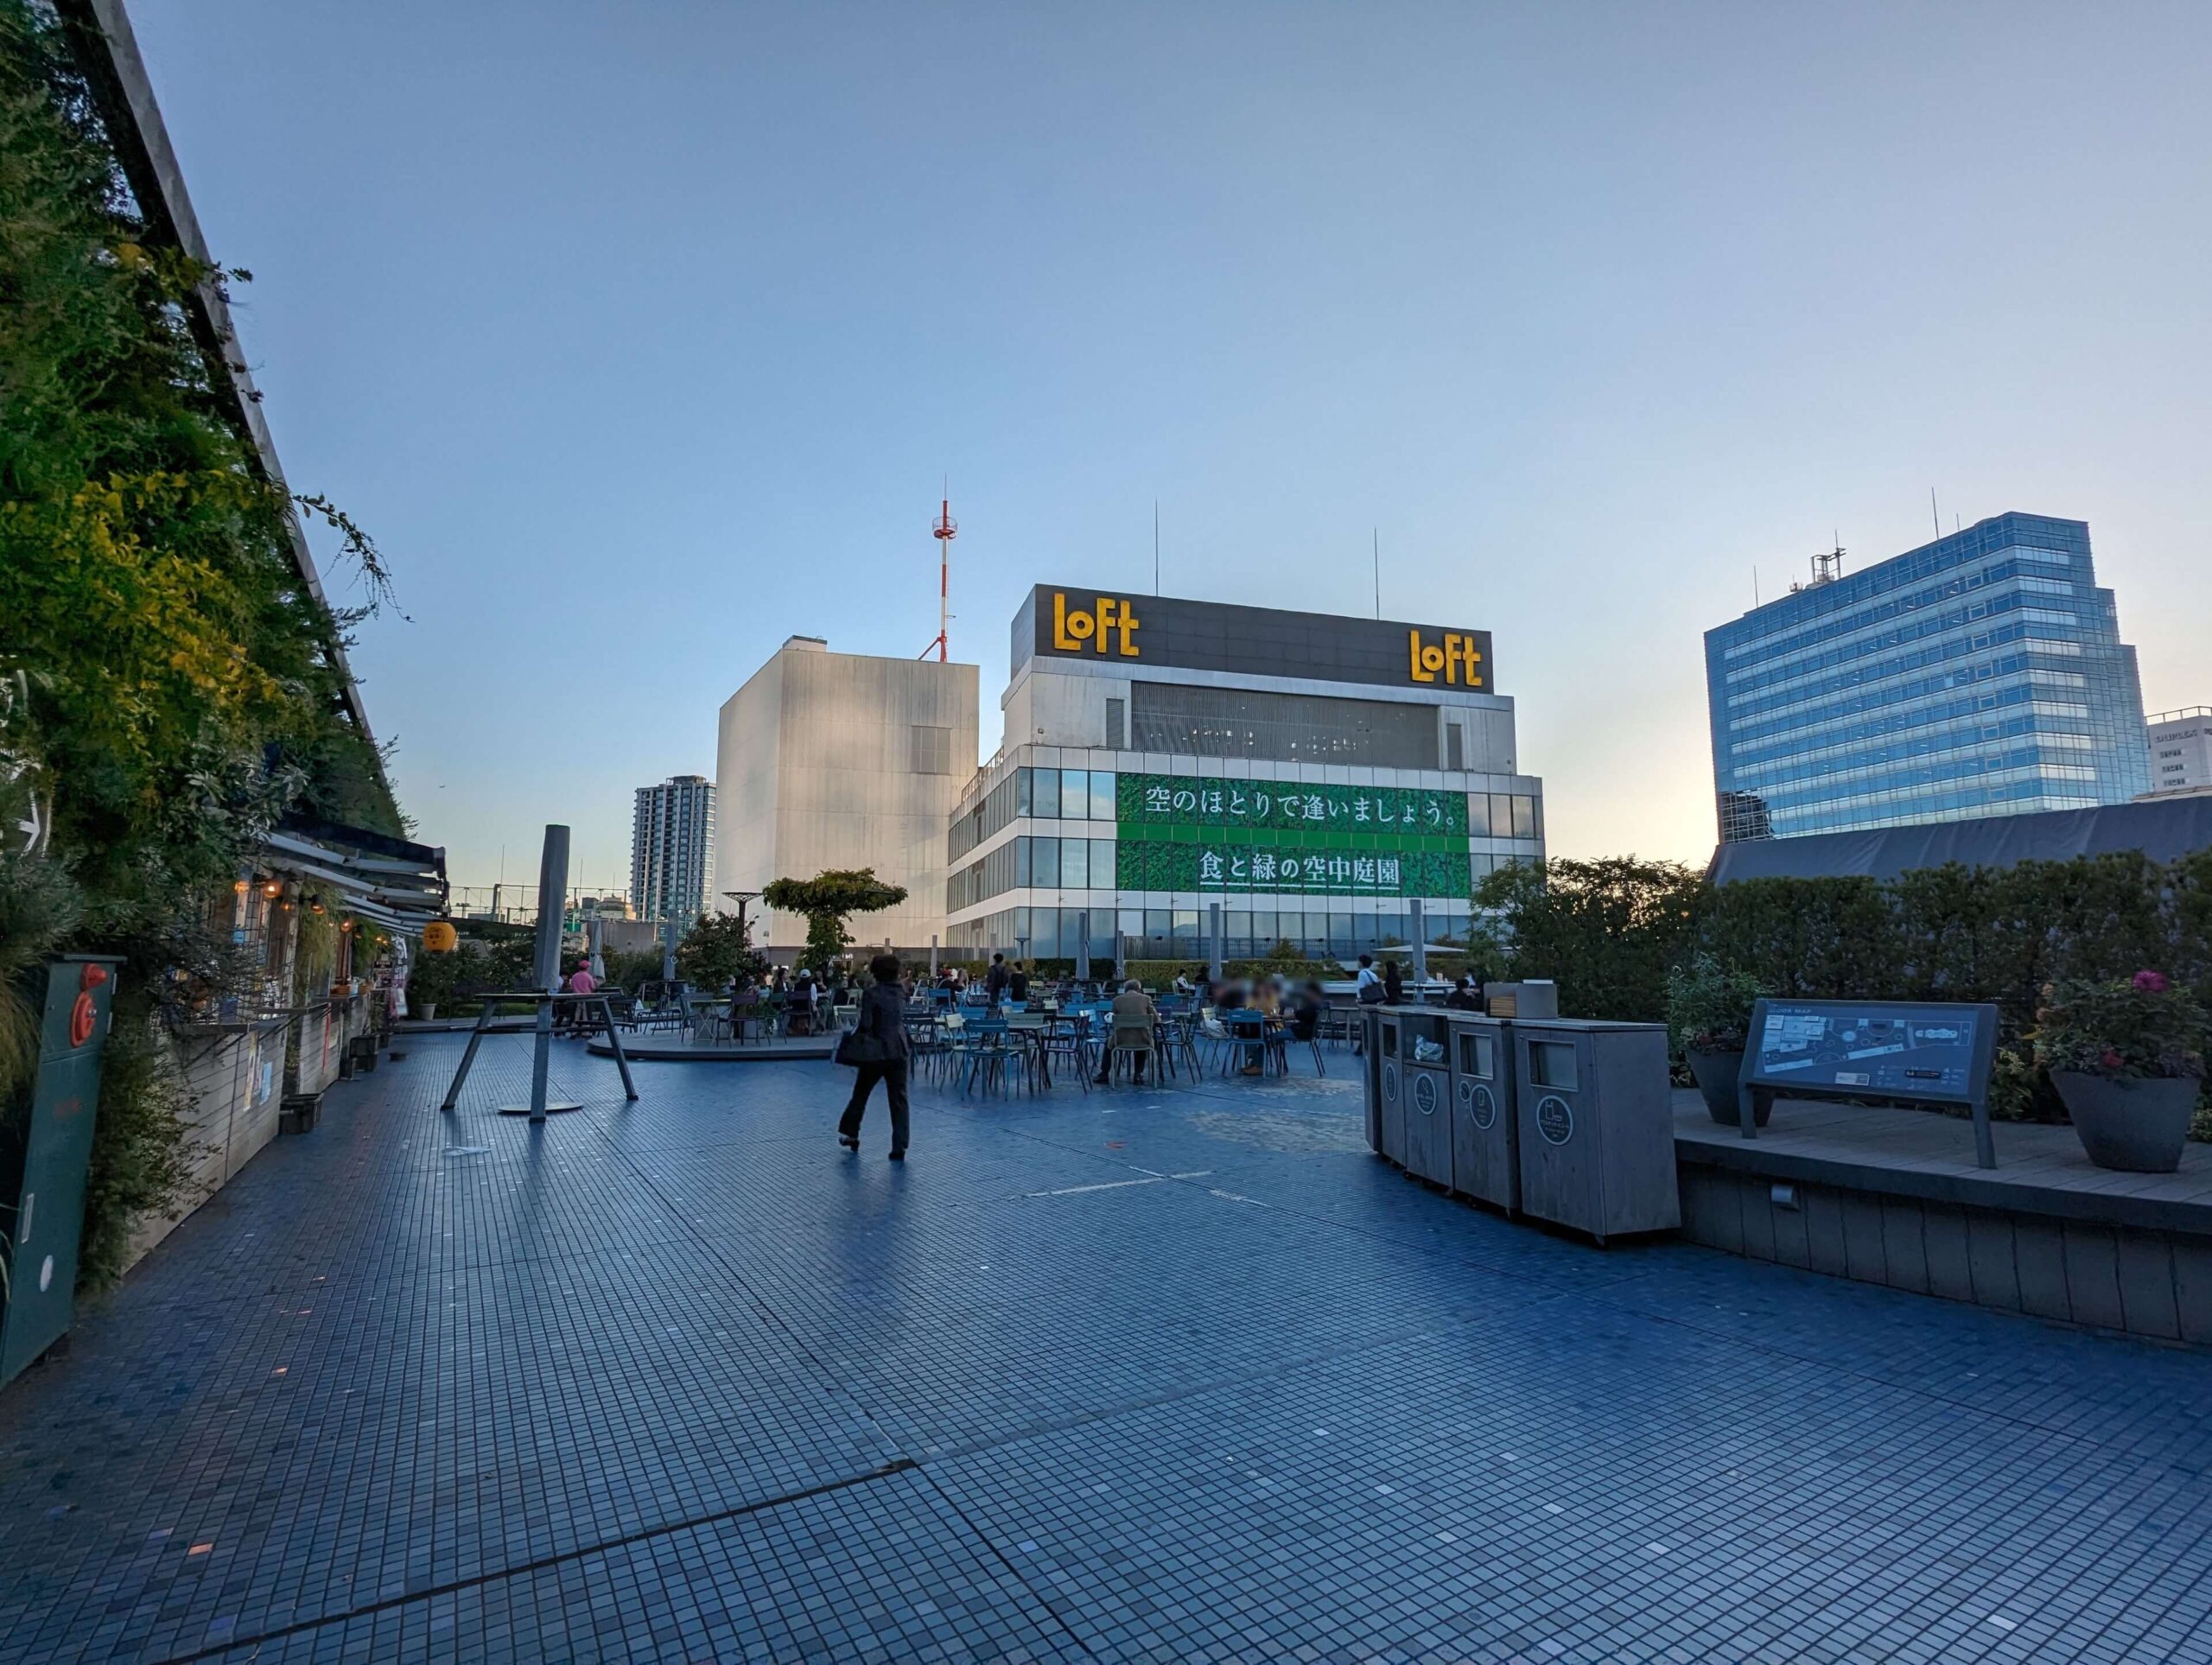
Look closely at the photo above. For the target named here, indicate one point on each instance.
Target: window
(1045, 793)
(1227, 722)
(1102, 864)
(1044, 862)
(1075, 794)
(932, 749)
(1075, 863)
(1455, 746)
(1101, 795)
(1118, 726)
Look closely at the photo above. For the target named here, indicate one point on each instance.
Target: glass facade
(1982, 674)
(1329, 868)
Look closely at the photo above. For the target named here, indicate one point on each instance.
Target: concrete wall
(815, 769)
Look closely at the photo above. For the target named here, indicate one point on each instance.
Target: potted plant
(1709, 1020)
(2127, 1057)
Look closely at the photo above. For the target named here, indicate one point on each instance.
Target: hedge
(1606, 931)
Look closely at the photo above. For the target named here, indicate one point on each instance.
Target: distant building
(1313, 776)
(839, 760)
(672, 850)
(1982, 674)
(2181, 750)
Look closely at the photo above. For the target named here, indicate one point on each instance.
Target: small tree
(828, 900)
(718, 948)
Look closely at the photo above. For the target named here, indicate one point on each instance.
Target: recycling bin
(1389, 1082)
(45, 1148)
(1370, 1019)
(1485, 1141)
(1596, 1126)
(1425, 1094)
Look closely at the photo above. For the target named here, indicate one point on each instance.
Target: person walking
(1368, 985)
(1017, 985)
(875, 1047)
(995, 981)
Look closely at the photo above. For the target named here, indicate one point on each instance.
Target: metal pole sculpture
(552, 886)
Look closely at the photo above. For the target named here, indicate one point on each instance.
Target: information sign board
(1917, 1052)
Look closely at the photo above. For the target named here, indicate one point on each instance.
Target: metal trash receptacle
(1596, 1126)
(45, 1149)
(1425, 1094)
(1485, 1141)
(1390, 1081)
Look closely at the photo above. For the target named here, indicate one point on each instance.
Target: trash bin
(1389, 1080)
(1370, 1071)
(46, 1147)
(1425, 1092)
(1485, 1145)
(1596, 1126)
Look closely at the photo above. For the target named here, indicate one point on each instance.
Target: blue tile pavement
(1176, 1374)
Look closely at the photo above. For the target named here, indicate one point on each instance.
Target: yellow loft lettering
(1452, 653)
(1072, 631)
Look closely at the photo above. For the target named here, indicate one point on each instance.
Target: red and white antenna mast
(945, 530)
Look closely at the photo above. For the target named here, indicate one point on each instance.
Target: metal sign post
(552, 886)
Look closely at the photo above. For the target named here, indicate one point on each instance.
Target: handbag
(856, 1047)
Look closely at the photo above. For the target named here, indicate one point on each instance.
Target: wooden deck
(1918, 1154)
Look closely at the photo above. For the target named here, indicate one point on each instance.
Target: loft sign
(1455, 650)
(1075, 629)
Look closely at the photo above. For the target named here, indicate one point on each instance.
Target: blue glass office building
(1982, 674)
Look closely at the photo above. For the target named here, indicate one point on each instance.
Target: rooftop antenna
(1932, 514)
(1155, 546)
(1826, 569)
(944, 531)
(1376, 533)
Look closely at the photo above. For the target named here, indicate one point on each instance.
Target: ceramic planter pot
(2135, 1125)
(1716, 1073)
(424, 1009)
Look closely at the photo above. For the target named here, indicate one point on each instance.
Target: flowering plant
(1709, 1006)
(2129, 1028)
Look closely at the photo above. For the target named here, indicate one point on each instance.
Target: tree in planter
(718, 949)
(829, 899)
(2127, 1057)
(1709, 1022)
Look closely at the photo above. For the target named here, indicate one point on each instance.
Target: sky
(642, 336)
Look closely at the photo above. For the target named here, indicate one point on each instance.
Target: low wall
(2146, 1280)
(233, 1075)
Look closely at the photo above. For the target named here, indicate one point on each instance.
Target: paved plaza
(1136, 1374)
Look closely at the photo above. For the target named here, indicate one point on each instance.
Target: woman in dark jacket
(881, 1032)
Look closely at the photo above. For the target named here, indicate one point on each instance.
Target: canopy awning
(391, 880)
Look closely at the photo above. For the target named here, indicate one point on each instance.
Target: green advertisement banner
(1228, 865)
(1145, 802)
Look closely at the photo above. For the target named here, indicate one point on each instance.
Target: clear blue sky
(642, 335)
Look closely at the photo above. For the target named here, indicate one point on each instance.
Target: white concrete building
(672, 850)
(2181, 750)
(1312, 776)
(838, 760)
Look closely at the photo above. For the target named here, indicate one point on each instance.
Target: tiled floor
(1130, 1375)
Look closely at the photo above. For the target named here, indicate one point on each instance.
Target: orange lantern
(440, 938)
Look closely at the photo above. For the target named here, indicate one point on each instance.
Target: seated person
(1467, 994)
(1134, 1018)
(1306, 1009)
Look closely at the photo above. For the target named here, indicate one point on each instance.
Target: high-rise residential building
(1339, 784)
(2181, 750)
(841, 761)
(1981, 674)
(672, 850)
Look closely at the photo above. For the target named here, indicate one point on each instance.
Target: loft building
(2181, 750)
(841, 761)
(1313, 776)
(1982, 674)
(672, 849)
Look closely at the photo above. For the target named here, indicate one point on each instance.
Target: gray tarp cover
(2162, 828)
